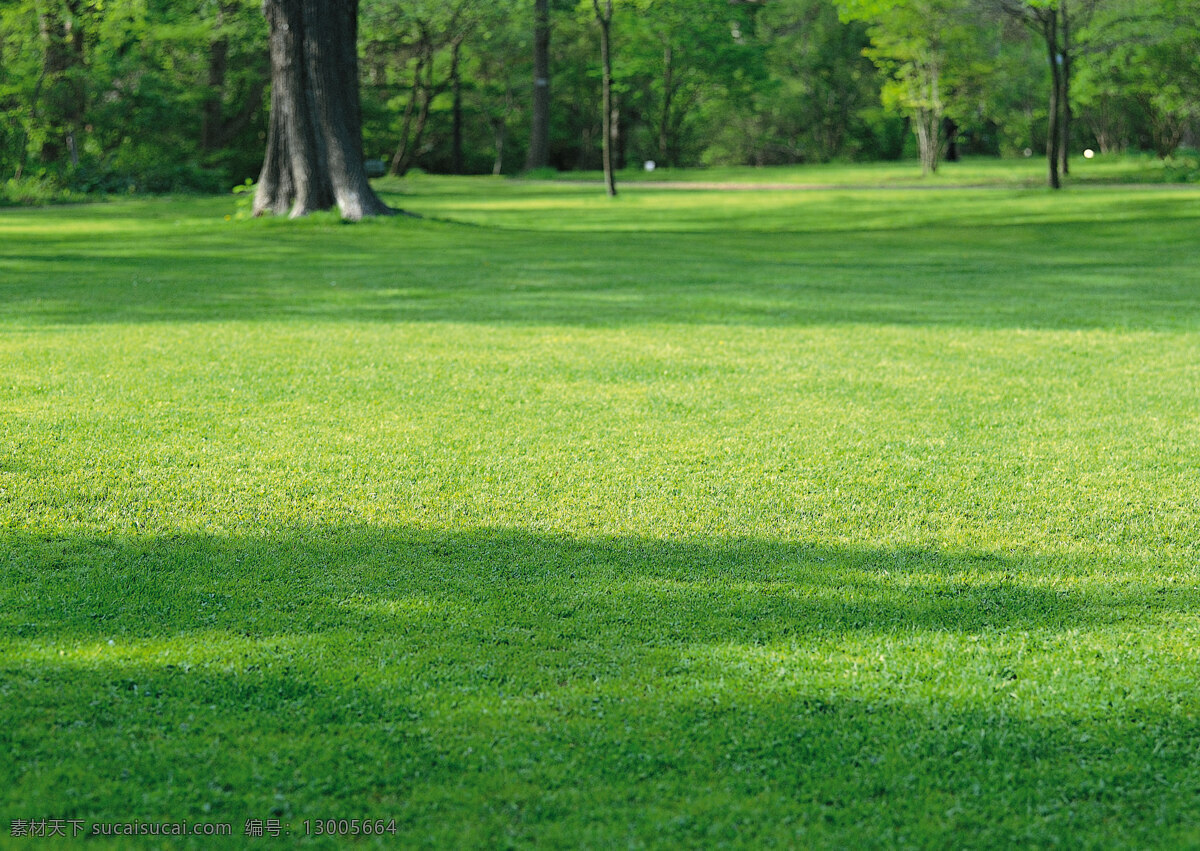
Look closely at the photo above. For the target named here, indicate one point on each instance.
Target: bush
(33, 191)
(154, 178)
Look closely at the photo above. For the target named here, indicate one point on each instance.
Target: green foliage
(243, 204)
(115, 96)
(823, 98)
(31, 190)
(148, 96)
(1142, 88)
(933, 55)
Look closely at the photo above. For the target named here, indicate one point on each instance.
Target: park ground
(862, 516)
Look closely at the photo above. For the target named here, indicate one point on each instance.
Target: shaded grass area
(1029, 260)
(492, 685)
(827, 523)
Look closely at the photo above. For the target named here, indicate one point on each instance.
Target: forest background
(157, 96)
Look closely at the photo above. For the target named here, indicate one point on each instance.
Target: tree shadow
(630, 591)
(1030, 275)
(497, 686)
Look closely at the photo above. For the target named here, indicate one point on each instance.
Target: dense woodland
(163, 95)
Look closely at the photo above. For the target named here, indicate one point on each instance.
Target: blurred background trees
(166, 95)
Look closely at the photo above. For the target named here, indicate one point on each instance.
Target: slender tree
(912, 42)
(1053, 20)
(314, 154)
(61, 83)
(538, 155)
(604, 16)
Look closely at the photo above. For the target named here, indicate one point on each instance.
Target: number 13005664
(349, 827)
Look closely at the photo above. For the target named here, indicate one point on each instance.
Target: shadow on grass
(495, 686)
(624, 592)
(1038, 275)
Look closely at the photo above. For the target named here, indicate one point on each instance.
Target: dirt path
(732, 186)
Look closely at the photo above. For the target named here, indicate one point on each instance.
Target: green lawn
(840, 518)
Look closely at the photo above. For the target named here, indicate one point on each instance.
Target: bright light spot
(1088, 154)
(650, 165)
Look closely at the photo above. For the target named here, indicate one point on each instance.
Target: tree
(1140, 73)
(314, 156)
(824, 86)
(1054, 21)
(499, 79)
(538, 155)
(236, 82)
(407, 45)
(677, 59)
(920, 45)
(604, 17)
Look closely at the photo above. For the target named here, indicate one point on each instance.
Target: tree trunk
(314, 140)
(424, 91)
(211, 129)
(400, 157)
(1053, 129)
(60, 83)
(1064, 94)
(929, 118)
(605, 20)
(456, 139)
(950, 131)
(539, 136)
(499, 131)
(664, 119)
(407, 150)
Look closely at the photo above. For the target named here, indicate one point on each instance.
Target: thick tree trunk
(314, 142)
(605, 20)
(539, 136)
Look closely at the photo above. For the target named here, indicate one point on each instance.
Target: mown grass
(835, 518)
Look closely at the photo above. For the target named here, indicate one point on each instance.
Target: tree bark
(1044, 20)
(950, 133)
(929, 119)
(605, 20)
(664, 119)
(1054, 127)
(423, 93)
(400, 157)
(539, 135)
(314, 154)
(1064, 95)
